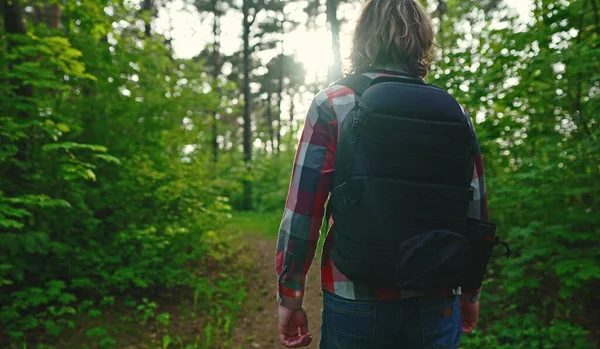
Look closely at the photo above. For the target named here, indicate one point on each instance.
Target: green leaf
(63, 128)
(73, 146)
(108, 158)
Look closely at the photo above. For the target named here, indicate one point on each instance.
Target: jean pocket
(440, 322)
(349, 327)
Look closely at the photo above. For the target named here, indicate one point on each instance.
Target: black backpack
(402, 189)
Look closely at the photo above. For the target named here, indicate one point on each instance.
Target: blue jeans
(412, 323)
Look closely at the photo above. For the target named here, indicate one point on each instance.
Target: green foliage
(101, 336)
(271, 180)
(98, 196)
(528, 332)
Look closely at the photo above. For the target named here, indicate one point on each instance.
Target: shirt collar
(390, 68)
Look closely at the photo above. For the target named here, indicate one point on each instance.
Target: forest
(134, 179)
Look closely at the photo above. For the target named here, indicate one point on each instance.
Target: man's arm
(312, 176)
(478, 208)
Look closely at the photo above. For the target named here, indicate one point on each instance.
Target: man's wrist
(290, 302)
(290, 298)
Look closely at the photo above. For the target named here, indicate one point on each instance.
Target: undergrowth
(198, 315)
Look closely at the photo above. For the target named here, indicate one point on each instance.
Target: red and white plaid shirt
(312, 178)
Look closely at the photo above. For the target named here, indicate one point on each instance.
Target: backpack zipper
(356, 121)
(356, 118)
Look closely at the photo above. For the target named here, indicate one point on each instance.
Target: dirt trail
(257, 328)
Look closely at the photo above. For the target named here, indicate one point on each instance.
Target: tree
(14, 24)
(313, 10)
(247, 98)
(148, 9)
(250, 11)
(215, 60)
(335, 71)
(278, 25)
(288, 75)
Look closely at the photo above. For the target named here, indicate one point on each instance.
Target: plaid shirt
(312, 178)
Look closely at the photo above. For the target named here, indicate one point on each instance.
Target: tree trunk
(216, 72)
(270, 121)
(441, 11)
(292, 112)
(13, 17)
(247, 122)
(215, 141)
(49, 15)
(335, 71)
(147, 26)
(596, 19)
(13, 24)
(279, 98)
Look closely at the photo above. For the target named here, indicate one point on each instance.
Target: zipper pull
(506, 246)
(353, 134)
(356, 118)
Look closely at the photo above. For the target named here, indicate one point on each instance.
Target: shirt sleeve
(311, 181)
(478, 208)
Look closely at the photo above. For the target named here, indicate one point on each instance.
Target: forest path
(257, 326)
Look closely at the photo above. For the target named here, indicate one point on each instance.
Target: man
(365, 306)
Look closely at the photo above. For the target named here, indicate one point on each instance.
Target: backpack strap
(359, 84)
(356, 82)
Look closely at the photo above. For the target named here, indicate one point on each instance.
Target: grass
(265, 223)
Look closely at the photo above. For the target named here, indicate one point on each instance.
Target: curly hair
(393, 32)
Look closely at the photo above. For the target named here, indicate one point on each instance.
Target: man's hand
(470, 315)
(293, 328)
